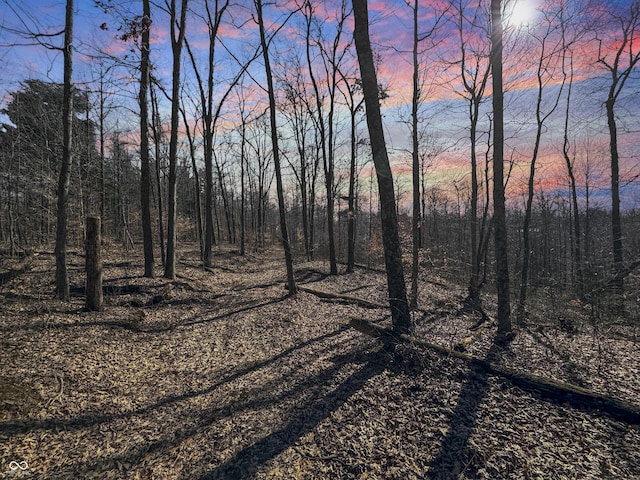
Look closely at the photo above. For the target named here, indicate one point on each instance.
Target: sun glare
(520, 13)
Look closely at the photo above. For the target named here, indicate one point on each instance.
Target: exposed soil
(221, 374)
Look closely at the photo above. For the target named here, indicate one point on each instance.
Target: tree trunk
(156, 127)
(93, 266)
(577, 240)
(390, 237)
(288, 255)
(616, 221)
(500, 222)
(351, 219)
(176, 47)
(415, 171)
(62, 277)
(326, 143)
(145, 170)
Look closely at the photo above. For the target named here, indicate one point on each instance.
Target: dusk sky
(444, 109)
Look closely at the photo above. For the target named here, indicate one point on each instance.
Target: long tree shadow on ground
(92, 418)
(244, 464)
(455, 455)
(247, 462)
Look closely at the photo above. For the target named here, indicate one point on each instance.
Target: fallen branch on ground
(343, 298)
(549, 388)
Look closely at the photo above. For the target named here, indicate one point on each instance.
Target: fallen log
(343, 298)
(553, 389)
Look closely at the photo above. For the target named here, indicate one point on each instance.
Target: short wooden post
(93, 266)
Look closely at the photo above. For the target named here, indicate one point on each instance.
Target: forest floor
(221, 375)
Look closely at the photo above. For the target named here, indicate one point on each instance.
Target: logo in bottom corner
(18, 469)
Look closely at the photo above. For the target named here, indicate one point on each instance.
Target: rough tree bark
(499, 215)
(93, 266)
(415, 160)
(390, 238)
(145, 169)
(176, 47)
(62, 277)
(625, 59)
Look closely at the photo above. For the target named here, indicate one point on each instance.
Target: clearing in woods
(220, 374)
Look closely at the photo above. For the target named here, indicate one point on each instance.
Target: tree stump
(93, 266)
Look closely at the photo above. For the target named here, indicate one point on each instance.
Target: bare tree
(620, 62)
(298, 113)
(145, 170)
(158, 137)
(177, 39)
(472, 23)
(349, 90)
(565, 18)
(549, 44)
(332, 55)
(396, 286)
(62, 277)
(499, 215)
(416, 100)
(288, 254)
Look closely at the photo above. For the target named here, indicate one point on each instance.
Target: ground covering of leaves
(221, 375)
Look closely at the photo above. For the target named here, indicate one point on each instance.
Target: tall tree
(145, 169)
(566, 154)
(415, 163)
(416, 100)
(177, 39)
(298, 113)
(619, 62)
(288, 254)
(349, 91)
(396, 286)
(213, 19)
(472, 23)
(332, 55)
(548, 41)
(62, 277)
(499, 213)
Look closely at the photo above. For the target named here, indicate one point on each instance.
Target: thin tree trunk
(326, 142)
(145, 170)
(616, 221)
(351, 219)
(62, 277)
(196, 177)
(176, 47)
(157, 134)
(577, 250)
(242, 186)
(102, 156)
(288, 255)
(415, 221)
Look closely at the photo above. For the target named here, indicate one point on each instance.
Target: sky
(444, 110)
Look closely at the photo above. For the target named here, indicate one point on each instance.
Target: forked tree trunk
(176, 47)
